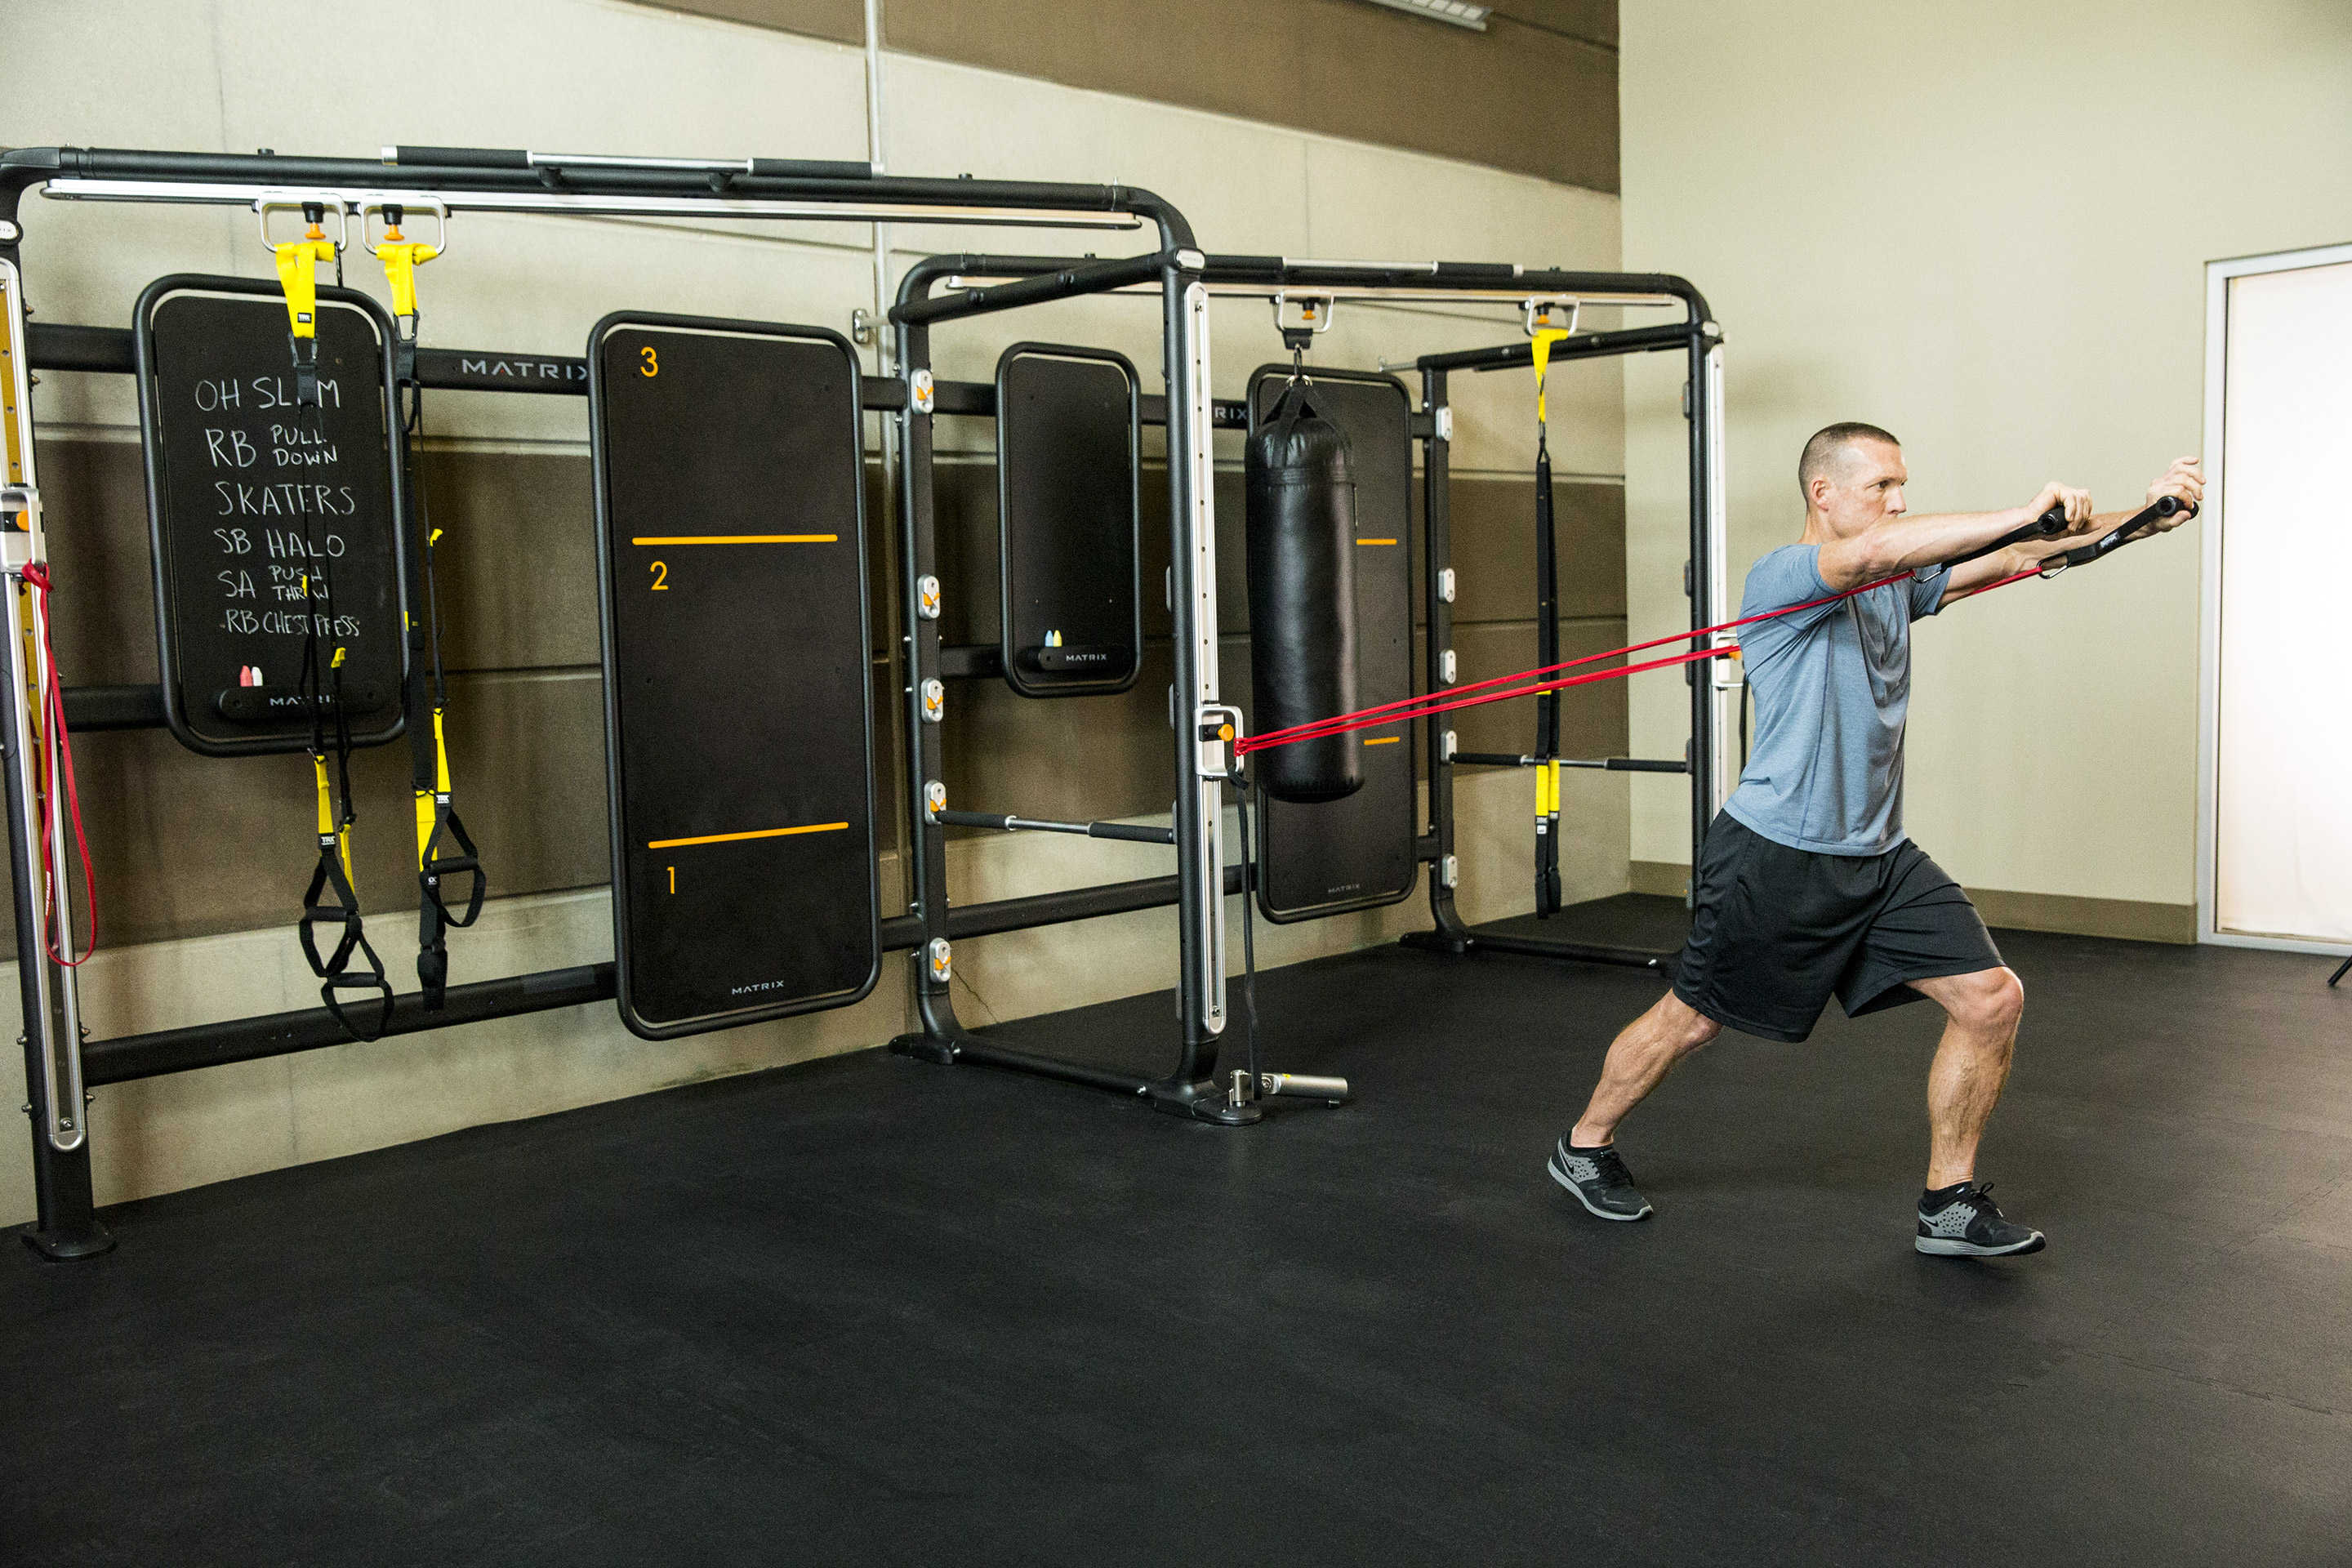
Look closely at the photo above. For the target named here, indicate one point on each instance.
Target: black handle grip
(2131, 529)
(2048, 525)
(463, 157)
(810, 169)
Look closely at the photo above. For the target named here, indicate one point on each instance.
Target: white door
(2277, 844)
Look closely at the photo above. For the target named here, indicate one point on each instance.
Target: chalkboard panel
(1357, 852)
(737, 706)
(1068, 477)
(247, 496)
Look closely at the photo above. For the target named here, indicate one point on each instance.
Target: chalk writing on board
(274, 521)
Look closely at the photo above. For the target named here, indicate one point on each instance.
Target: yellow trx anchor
(402, 256)
(298, 276)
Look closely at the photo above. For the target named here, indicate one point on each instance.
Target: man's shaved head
(1825, 453)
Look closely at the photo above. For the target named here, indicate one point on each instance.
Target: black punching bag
(1301, 514)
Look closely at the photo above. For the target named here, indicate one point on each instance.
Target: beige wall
(1983, 228)
(239, 74)
(1537, 91)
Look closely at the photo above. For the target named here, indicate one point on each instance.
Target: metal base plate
(66, 1246)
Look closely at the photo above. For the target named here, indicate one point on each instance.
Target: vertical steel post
(65, 1224)
(1437, 559)
(918, 649)
(1192, 582)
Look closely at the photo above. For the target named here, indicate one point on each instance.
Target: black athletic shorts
(1776, 931)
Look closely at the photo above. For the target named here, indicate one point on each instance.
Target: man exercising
(1807, 887)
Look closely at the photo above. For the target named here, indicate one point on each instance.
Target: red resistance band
(1411, 708)
(53, 720)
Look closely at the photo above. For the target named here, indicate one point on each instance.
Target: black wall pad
(738, 711)
(1068, 500)
(1359, 852)
(238, 479)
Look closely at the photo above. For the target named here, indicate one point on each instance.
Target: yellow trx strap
(332, 835)
(1545, 337)
(427, 800)
(298, 276)
(443, 849)
(333, 832)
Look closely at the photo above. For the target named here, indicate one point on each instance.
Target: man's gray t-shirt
(1832, 685)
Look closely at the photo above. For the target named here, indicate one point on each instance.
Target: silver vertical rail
(1726, 677)
(1192, 452)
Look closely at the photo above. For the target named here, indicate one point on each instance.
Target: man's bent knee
(1990, 1001)
(1690, 1027)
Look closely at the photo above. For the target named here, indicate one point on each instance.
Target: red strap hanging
(52, 700)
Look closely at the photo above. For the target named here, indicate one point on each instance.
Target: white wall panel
(2283, 816)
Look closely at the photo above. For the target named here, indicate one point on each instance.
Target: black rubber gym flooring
(875, 1311)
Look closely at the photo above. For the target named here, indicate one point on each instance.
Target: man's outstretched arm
(1902, 544)
(2185, 480)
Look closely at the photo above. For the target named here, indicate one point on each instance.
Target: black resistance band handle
(2049, 525)
(2132, 529)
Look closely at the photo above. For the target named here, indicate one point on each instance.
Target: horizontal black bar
(518, 159)
(1591, 346)
(491, 370)
(1013, 822)
(114, 707)
(61, 347)
(1610, 764)
(985, 1053)
(491, 170)
(1086, 277)
(1224, 413)
(1579, 952)
(971, 661)
(130, 1057)
(1275, 270)
(1425, 848)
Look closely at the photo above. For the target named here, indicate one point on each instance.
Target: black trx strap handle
(341, 908)
(433, 914)
(438, 827)
(2049, 525)
(2136, 527)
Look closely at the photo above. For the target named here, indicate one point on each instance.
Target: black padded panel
(1070, 478)
(242, 487)
(730, 530)
(1357, 853)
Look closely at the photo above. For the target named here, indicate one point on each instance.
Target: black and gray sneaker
(1600, 1181)
(1966, 1223)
